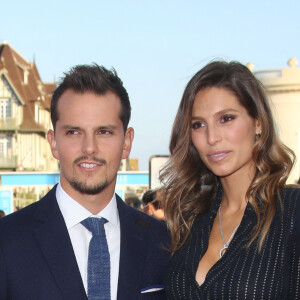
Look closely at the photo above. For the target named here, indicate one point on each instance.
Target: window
(5, 108)
(5, 146)
(36, 113)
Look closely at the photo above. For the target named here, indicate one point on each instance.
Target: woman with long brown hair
(235, 225)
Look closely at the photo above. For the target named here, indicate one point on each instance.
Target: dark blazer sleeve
(143, 255)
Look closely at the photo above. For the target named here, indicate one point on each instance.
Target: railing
(8, 124)
(8, 162)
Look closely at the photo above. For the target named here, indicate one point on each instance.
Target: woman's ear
(258, 130)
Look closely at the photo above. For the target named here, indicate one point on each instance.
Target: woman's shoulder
(290, 197)
(290, 193)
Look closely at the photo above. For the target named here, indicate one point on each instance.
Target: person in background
(133, 201)
(81, 241)
(235, 224)
(17, 208)
(151, 205)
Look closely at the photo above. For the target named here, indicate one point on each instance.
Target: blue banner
(6, 201)
(123, 178)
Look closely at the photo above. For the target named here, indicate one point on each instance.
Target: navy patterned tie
(98, 260)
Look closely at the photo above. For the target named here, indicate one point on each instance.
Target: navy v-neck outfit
(242, 272)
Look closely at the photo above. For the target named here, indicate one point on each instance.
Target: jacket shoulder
(156, 229)
(290, 195)
(291, 204)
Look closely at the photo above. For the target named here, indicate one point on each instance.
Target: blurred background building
(283, 87)
(24, 115)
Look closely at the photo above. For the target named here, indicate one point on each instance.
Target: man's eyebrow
(70, 127)
(110, 127)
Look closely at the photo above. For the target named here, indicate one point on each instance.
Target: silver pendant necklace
(222, 251)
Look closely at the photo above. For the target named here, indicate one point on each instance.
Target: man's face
(89, 142)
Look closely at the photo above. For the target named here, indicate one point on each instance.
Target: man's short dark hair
(95, 79)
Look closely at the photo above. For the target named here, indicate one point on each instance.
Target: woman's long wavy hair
(189, 187)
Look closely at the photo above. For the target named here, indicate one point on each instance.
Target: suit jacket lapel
(132, 253)
(53, 238)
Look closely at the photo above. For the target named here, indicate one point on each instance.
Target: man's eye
(72, 132)
(104, 132)
(197, 125)
(227, 118)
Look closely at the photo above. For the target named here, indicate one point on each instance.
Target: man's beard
(83, 188)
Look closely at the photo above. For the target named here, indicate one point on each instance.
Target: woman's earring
(258, 133)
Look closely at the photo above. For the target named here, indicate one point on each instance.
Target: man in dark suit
(45, 250)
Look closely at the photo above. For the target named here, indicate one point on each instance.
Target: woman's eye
(197, 125)
(227, 118)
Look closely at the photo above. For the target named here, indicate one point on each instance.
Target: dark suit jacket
(37, 260)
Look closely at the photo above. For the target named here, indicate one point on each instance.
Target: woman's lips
(218, 155)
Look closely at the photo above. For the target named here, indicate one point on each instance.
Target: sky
(155, 46)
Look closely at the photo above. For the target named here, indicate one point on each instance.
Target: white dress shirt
(73, 214)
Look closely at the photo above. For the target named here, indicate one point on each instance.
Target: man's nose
(89, 144)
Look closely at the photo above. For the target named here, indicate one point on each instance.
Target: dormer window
(26, 73)
(36, 112)
(40, 87)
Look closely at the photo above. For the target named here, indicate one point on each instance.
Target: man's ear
(151, 208)
(148, 210)
(52, 142)
(129, 135)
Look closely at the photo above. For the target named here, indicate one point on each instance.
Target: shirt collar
(74, 213)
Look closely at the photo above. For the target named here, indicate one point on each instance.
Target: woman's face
(223, 132)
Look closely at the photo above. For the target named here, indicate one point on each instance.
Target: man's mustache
(93, 159)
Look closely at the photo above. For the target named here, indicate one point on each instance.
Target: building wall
(42, 116)
(10, 119)
(16, 106)
(287, 111)
(23, 150)
(283, 86)
(34, 153)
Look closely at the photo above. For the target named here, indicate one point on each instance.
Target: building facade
(24, 115)
(283, 87)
